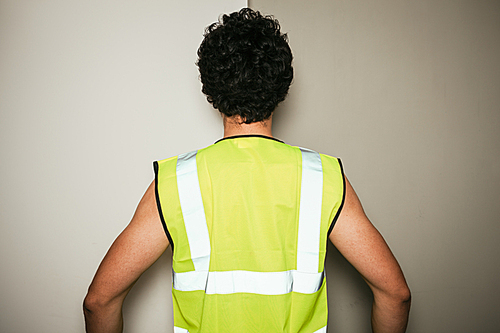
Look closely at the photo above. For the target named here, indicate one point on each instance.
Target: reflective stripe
(306, 279)
(183, 330)
(192, 210)
(262, 283)
(311, 195)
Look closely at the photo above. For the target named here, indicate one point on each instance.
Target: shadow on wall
(151, 297)
(349, 297)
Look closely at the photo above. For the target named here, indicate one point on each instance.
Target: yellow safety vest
(248, 219)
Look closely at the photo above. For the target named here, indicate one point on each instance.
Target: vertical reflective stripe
(275, 283)
(192, 210)
(321, 330)
(183, 330)
(311, 195)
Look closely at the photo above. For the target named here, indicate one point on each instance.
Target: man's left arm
(134, 250)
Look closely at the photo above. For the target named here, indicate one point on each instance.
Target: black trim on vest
(248, 136)
(343, 199)
(156, 168)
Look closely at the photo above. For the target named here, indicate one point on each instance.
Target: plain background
(92, 92)
(406, 93)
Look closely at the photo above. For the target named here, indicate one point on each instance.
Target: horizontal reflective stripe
(183, 330)
(263, 283)
(311, 197)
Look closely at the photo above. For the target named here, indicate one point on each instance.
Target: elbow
(90, 304)
(96, 303)
(400, 297)
(93, 303)
(405, 296)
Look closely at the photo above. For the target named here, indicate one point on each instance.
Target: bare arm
(363, 246)
(135, 250)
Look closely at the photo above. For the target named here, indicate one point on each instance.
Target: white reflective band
(311, 195)
(321, 330)
(183, 330)
(190, 281)
(306, 279)
(192, 210)
(262, 283)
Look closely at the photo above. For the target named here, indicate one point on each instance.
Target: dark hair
(245, 65)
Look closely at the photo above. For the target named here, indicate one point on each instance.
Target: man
(249, 216)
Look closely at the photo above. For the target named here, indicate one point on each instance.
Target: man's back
(267, 209)
(248, 218)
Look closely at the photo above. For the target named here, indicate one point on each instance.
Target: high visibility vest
(248, 219)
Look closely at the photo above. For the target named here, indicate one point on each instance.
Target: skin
(364, 247)
(235, 126)
(133, 252)
(143, 241)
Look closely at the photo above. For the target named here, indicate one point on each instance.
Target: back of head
(245, 65)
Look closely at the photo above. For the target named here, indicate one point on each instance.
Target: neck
(235, 126)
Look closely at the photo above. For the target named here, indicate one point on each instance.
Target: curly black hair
(245, 65)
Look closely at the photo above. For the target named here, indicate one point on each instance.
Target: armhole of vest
(343, 198)
(158, 204)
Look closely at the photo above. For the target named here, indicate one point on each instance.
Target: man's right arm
(364, 247)
(136, 248)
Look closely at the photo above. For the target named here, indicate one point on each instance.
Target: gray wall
(407, 93)
(91, 93)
